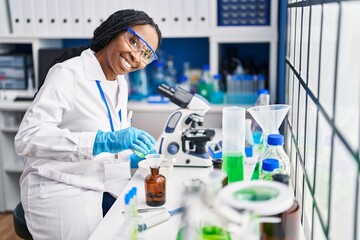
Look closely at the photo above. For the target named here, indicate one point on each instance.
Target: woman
(75, 136)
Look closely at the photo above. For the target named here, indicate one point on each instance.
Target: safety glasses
(137, 43)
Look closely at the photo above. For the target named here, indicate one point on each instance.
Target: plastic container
(269, 167)
(274, 149)
(233, 130)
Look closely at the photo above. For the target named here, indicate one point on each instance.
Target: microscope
(181, 139)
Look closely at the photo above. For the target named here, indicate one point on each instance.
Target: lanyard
(107, 106)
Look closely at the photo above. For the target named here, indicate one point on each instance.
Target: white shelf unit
(10, 165)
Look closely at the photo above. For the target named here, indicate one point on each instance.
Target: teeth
(127, 64)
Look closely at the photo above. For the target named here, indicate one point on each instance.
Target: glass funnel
(269, 118)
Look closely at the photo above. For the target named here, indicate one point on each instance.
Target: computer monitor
(46, 58)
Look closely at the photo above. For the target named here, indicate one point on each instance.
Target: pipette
(157, 219)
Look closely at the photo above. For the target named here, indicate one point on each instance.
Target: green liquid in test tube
(233, 165)
(140, 154)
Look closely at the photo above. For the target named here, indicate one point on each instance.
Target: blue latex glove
(135, 159)
(129, 138)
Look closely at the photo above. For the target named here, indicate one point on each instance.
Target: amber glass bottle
(217, 164)
(288, 228)
(155, 188)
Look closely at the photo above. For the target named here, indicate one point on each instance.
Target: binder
(113, 6)
(90, 20)
(203, 16)
(28, 18)
(102, 12)
(17, 21)
(177, 22)
(52, 22)
(40, 17)
(4, 18)
(64, 17)
(164, 18)
(190, 18)
(76, 17)
(126, 4)
(151, 8)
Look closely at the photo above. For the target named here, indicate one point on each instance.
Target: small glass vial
(155, 188)
(217, 164)
(270, 166)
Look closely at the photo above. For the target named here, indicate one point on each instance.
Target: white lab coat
(62, 182)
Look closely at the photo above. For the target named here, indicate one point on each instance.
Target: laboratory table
(110, 226)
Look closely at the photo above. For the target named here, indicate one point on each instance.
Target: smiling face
(117, 58)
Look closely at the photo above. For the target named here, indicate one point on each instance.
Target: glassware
(233, 130)
(200, 221)
(155, 183)
(288, 228)
(270, 118)
(269, 167)
(274, 150)
(217, 165)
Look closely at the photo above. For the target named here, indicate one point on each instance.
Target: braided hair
(108, 30)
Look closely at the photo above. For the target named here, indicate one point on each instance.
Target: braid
(117, 23)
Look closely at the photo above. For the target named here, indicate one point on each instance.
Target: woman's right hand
(129, 138)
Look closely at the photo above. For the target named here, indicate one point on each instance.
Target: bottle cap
(183, 79)
(275, 139)
(206, 67)
(160, 64)
(261, 77)
(262, 91)
(217, 76)
(269, 164)
(217, 163)
(283, 178)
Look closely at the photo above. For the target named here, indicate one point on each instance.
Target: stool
(20, 224)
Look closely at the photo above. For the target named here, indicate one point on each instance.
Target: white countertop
(110, 225)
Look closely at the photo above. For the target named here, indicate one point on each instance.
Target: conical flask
(269, 117)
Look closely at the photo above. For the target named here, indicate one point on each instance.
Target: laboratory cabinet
(41, 26)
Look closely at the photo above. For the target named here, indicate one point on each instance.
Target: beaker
(270, 118)
(233, 152)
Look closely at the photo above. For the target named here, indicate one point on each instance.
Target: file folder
(17, 21)
(76, 16)
(90, 19)
(4, 18)
(190, 18)
(203, 16)
(163, 16)
(102, 12)
(52, 22)
(40, 17)
(27, 12)
(126, 4)
(65, 23)
(177, 22)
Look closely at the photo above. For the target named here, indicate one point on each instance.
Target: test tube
(233, 131)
